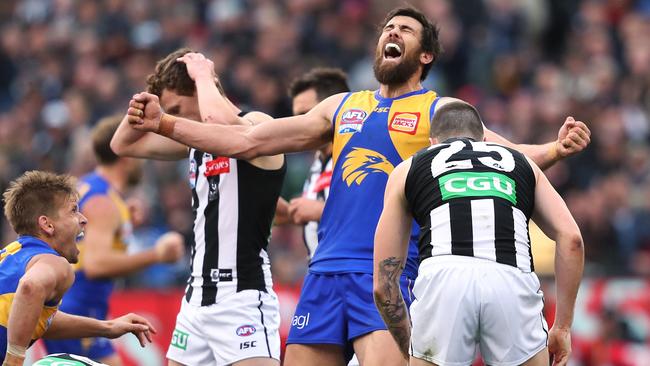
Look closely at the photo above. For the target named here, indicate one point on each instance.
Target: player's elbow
(378, 294)
(117, 147)
(94, 274)
(572, 242)
(93, 271)
(31, 289)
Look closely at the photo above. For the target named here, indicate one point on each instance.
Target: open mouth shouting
(80, 236)
(392, 51)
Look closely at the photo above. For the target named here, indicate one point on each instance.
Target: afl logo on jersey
(352, 120)
(405, 122)
(246, 330)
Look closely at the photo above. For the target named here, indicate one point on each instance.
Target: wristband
(554, 153)
(16, 351)
(166, 126)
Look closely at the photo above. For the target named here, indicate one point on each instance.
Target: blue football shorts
(337, 308)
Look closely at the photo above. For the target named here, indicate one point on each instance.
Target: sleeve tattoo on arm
(391, 305)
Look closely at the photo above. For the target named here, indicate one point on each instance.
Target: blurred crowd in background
(525, 64)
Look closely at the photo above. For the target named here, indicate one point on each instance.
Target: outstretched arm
(391, 248)
(573, 137)
(128, 141)
(65, 326)
(101, 260)
(298, 133)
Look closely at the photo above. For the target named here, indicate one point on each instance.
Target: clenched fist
(170, 247)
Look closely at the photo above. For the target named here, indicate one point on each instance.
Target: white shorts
(242, 325)
(461, 302)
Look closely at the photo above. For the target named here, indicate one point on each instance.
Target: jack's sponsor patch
(406, 122)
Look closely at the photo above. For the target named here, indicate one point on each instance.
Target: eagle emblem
(360, 162)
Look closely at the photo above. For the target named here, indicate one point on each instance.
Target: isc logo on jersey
(352, 120)
(405, 122)
(470, 184)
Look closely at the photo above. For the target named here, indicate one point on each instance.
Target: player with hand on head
(103, 249)
(35, 269)
(372, 132)
(230, 313)
(473, 201)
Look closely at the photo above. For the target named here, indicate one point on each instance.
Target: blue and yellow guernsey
(13, 261)
(89, 297)
(372, 135)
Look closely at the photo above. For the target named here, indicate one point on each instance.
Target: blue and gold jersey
(372, 135)
(89, 297)
(13, 261)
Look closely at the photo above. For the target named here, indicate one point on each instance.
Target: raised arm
(100, 260)
(298, 133)
(46, 279)
(553, 217)
(391, 249)
(128, 141)
(573, 137)
(214, 107)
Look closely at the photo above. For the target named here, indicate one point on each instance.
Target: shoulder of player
(257, 117)
(533, 166)
(401, 171)
(330, 104)
(58, 265)
(101, 207)
(272, 162)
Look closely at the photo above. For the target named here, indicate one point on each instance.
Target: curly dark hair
(171, 74)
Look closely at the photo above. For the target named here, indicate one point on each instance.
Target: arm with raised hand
(128, 141)
(297, 133)
(100, 260)
(391, 249)
(553, 217)
(572, 138)
(214, 107)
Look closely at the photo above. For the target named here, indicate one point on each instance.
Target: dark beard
(398, 74)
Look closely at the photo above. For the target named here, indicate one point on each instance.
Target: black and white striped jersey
(233, 203)
(317, 187)
(473, 199)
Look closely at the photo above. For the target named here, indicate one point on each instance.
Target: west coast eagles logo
(361, 162)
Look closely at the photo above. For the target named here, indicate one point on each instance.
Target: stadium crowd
(524, 64)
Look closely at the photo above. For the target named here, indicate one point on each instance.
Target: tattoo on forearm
(391, 305)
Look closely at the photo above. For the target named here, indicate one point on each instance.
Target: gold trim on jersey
(44, 319)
